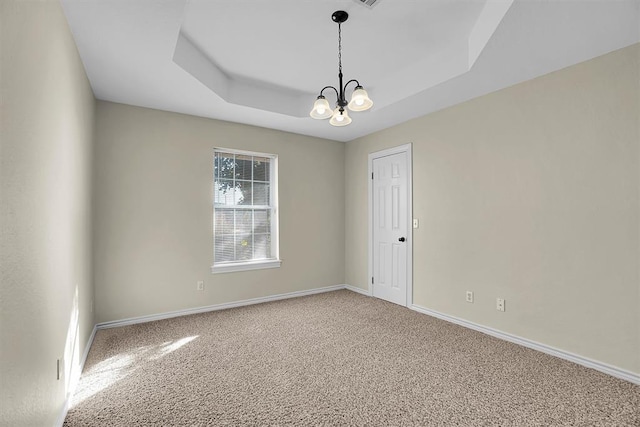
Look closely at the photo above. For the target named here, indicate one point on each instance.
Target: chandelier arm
(350, 81)
(330, 87)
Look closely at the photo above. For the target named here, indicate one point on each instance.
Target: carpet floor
(334, 359)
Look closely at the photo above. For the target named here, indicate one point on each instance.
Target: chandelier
(360, 100)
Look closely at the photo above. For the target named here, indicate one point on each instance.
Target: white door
(390, 227)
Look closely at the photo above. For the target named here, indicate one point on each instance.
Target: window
(245, 218)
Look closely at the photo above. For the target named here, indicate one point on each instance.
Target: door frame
(406, 148)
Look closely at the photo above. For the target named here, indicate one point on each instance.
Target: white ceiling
(263, 63)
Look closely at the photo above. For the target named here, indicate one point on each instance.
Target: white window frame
(274, 262)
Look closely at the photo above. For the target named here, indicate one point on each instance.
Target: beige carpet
(334, 359)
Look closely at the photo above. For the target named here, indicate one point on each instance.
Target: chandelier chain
(340, 48)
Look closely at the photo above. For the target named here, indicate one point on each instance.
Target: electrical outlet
(469, 296)
(200, 285)
(499, 304)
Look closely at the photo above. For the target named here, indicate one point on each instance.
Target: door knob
(402, 239)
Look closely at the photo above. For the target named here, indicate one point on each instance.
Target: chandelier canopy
(360, 100)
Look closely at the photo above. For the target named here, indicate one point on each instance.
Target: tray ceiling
(263, 63)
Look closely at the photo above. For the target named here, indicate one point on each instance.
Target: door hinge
(371, 175)
(372, 280)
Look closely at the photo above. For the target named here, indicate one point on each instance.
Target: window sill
(245, 266)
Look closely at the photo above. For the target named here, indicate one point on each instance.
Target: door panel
(390, 226)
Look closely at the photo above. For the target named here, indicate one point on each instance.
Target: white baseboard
(358, 290)
(580, 360)
(87, 348)
(74, 384)
(215, 307)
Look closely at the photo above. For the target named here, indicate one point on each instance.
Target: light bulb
(360, 100)
(321, 109)
(340, 118)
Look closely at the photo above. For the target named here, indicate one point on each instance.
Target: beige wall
(530, 194)
(153, 223)
(46, 127)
